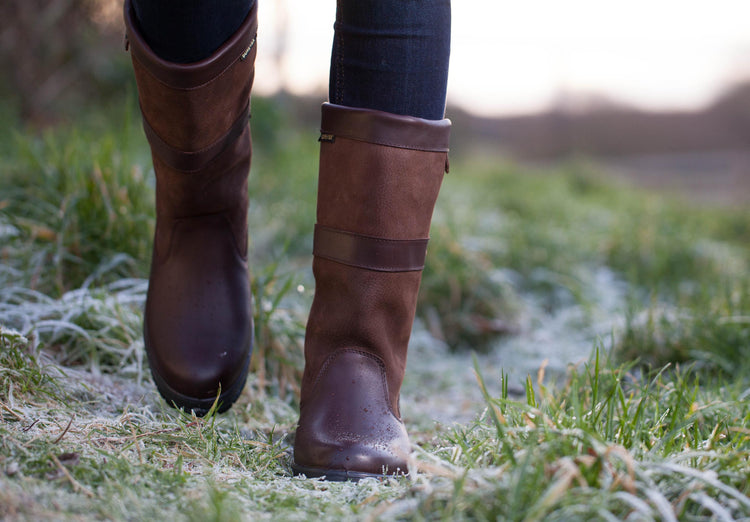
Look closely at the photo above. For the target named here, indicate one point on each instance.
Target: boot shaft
(380, 173)
(379, 179)
(195, 117)
(192, 106)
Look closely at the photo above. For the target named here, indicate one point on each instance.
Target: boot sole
(198, 406)
(340, 475)
(202, 406)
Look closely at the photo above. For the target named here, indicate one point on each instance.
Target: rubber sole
(341, 475)
(202, 406)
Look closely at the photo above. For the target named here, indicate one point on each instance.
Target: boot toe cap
(197, 366)
(350, 458)
(347, 427)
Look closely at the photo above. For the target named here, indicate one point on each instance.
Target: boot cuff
(383, 128)
(240, 46)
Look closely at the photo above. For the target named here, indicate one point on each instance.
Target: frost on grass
(99, 328)
(102, 444)
(84, 434)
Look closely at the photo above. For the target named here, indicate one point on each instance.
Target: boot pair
(380, 174)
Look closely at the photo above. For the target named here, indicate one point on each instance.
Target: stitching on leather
(136, 52)
(237, 248)
(370, 266)
(223, 140)
(175, 222)
(372, 238)
(445, 150)
(231, 64)
(212, 145)
(145, 68)
(329, 360)
(377, 268)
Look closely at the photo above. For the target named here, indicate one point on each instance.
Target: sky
(521, 57)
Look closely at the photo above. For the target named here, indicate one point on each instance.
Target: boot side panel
(376, 190)
(364, 310)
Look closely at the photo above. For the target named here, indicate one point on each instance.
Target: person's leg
(185, 31)
(198, 320)
(392, 56)
(382, 158)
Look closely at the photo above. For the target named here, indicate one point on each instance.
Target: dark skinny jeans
(389, 55)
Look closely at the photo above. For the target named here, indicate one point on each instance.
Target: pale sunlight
(519, 57)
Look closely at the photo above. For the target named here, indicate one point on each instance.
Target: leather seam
(221, 144)
(231, 64)
(180, 220)
(375, 268)
(186, 89)
(329, 360)
(389, 144)
(214, 144)
(371, 238)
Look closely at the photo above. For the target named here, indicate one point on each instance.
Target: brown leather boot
(198, 320)
(380, 174)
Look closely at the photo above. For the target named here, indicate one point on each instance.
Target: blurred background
(657, 91)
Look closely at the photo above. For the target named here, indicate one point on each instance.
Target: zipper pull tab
(127, 42)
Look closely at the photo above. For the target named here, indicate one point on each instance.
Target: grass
(655, 424)
(606, 445)
(76, 208)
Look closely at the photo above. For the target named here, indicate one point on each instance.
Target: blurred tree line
(57, 56)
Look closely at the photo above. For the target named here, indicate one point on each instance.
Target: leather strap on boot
(390, 130)
(370, 253)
